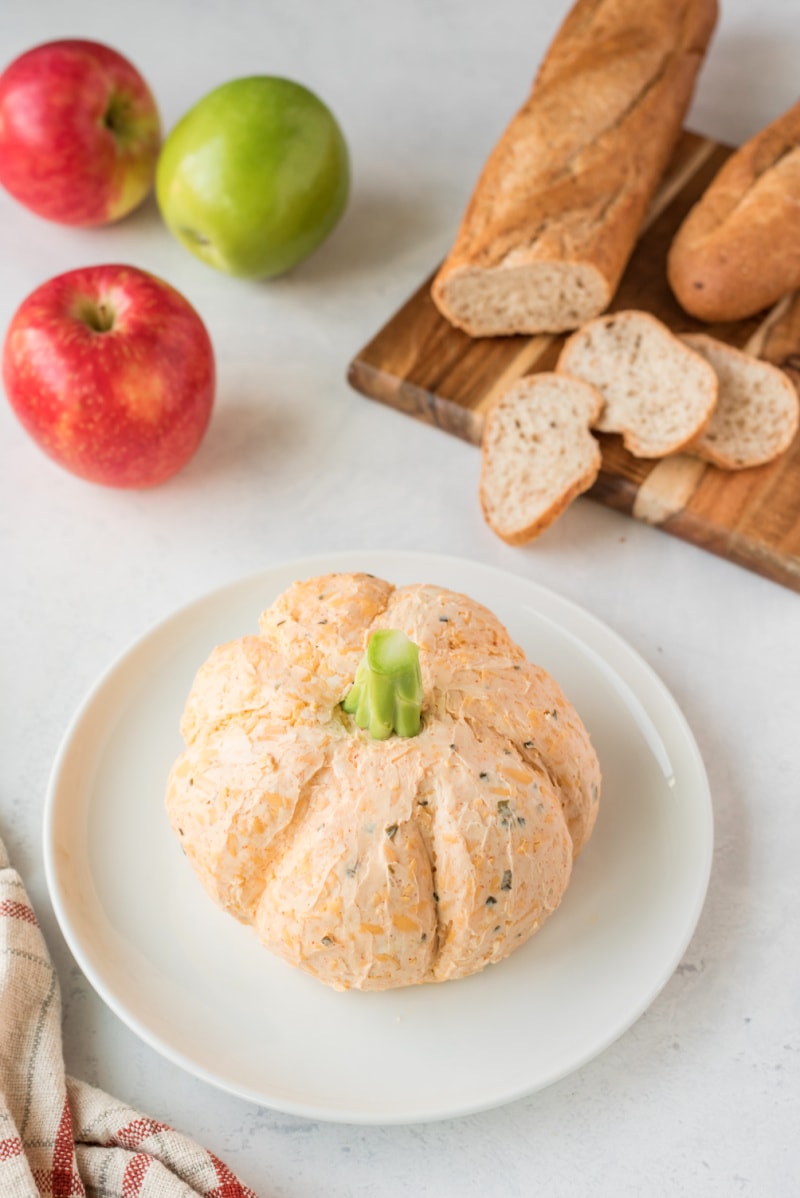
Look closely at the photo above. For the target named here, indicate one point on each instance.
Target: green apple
(254, 177)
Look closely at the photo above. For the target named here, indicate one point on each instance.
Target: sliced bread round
(757, 411)
(658, 393)
(537, 454)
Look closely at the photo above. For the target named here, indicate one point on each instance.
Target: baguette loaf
(559, 204)
(537, 454)
(658, 393)
(738, 250)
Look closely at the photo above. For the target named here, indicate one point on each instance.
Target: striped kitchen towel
(60, 1138)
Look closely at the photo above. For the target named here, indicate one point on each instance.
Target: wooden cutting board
(421, 365)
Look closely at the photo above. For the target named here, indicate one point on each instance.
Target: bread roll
(738, 250)
(556, 212)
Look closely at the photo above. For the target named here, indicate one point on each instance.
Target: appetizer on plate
(382, 784)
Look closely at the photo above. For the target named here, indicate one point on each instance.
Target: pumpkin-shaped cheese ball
(374, 863)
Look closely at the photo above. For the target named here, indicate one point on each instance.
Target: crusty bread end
(542, 297)
(738, 250)
(561, 200)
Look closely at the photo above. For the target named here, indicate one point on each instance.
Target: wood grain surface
(421, 365)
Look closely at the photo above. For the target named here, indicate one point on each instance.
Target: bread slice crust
(659, 394)
(537, 454)
(756, 417)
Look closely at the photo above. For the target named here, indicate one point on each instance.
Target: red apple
(79, 133)
(111, 371)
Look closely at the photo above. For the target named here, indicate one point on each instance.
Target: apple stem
(194, 236)
(105, 318)
(116, 116)
(98, 316)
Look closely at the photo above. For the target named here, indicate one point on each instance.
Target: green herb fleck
(506, 882)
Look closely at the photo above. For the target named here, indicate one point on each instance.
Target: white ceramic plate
(199, 988)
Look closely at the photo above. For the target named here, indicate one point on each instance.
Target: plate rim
(356, 559)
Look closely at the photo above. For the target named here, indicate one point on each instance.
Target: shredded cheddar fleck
(405, 924)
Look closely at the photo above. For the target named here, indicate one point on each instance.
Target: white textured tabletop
(702, 1096)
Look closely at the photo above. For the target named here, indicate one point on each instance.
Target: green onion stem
(386, 695)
